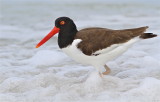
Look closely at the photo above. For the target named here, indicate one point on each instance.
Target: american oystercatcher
(94, 46)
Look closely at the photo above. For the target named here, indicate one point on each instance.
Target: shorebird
(94, 46)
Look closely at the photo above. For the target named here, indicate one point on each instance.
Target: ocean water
(46, 74)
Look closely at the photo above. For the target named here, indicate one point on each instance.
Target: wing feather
(94, 39)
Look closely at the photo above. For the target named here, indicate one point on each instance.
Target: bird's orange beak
(46, 38)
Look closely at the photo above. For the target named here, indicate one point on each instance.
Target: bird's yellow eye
(62, 22)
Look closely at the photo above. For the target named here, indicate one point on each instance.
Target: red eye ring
(62, 22)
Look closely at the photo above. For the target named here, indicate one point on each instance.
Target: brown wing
(94, 39)
(92, 28)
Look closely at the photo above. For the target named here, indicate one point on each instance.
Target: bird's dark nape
(147, 35)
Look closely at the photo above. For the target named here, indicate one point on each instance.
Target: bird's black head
(62, 22)
(67, 31)
(65, 24)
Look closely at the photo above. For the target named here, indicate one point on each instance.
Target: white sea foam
(46, 58)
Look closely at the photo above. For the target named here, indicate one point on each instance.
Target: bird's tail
(147, 35)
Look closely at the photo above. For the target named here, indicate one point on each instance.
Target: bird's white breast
(77, 54)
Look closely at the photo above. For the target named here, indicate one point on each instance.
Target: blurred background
(23, 23)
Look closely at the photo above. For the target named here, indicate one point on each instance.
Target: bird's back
(94, 39)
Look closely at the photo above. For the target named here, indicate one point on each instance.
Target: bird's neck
(66, 36)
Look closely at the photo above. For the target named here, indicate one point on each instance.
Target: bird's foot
(108, 70)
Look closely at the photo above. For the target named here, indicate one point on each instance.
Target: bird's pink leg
(108, 70)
